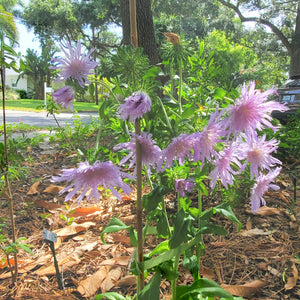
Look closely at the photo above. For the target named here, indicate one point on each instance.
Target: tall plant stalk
(8, 193)
(199, 246)
(139, 206)
(180, 86)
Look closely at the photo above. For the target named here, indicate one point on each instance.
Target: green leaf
(202, 188)
(162, 247)
(162, 225)
(181, 228)
(152, 72)
(226, 211)
(151, 230)
(219, 93)
(211, 228)
(203, 287)
(26, 248)
(166, 269)
(188, 112)
(190, 262)
(152, 199)
(132, 236)
(194, 211)
(113, 226)
(111, 296)
(155, 261)
(152, 289)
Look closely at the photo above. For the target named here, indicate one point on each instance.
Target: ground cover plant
(170, 158)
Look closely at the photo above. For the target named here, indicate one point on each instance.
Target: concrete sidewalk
(42, 119)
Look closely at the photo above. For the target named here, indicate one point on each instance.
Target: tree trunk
(295, 50)
(125, 16)
(145, 28)
(294, 72)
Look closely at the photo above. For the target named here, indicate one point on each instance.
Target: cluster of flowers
(76, 66)
(235, 127)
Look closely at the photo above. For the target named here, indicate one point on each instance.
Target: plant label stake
(51, 238)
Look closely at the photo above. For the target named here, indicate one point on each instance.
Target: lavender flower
(88, 176)
(223, 166)
(257, 152)
(208, 138)
(64, 97)
(179, 148)
(75, 64)
(182, 185)
(149, 150)
(262, 184)
(135, 106)
(252, 111)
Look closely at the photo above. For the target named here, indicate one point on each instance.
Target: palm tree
(8, 27)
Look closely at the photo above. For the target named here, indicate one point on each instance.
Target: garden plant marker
(51, 238)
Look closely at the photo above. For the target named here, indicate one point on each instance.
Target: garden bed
(259, 262)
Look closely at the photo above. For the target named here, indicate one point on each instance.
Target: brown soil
(259, 262)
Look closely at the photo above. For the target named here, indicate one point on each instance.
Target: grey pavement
(41, 119)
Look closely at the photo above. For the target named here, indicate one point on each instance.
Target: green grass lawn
(31, 105)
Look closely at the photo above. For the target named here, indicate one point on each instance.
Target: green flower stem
(180, 87)
(165, 113)
(199, 246)
(172, 77)
(148, 177)
(110, 90)
(139, 207)
(178, 202)
(174, 281)
(62, 131)
(177, 257)
(165, 212)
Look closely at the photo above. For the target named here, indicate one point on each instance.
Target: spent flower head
(252, 111)
(88, 176)
(75, 65)
(135, 106)
(263, 183)
(64, 97)
(184, 185)
(150, 152)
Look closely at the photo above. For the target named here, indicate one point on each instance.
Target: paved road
(41, 119)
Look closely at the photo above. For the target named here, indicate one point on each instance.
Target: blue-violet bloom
(64, 97)
(263, 183)
(257, 151)
(88, 176)
(180, 148)
(205, 140)
(135, 106)
(184, 185)
(223, 166)
(252, 111)
(75, 64)
(150, 152)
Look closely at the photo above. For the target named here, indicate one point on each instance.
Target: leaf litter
(260, 262)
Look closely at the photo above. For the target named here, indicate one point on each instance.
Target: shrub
(23, 94)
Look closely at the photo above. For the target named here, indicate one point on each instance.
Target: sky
(26, 40)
